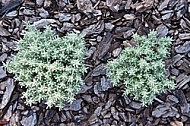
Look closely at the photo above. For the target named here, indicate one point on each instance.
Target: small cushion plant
(50, 67)
(141, 68)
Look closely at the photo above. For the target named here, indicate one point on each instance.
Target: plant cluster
(48, 66)
(141, 68)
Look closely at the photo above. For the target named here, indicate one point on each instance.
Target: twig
(158, 100)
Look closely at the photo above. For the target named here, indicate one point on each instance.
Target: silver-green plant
(48, 66)
(141, 68)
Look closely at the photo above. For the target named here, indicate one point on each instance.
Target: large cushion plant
(141, 68)
(48, 66)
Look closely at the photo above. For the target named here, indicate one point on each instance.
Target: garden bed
(107, 27)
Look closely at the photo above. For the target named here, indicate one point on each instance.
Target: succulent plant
(48, 66)
(141, 68)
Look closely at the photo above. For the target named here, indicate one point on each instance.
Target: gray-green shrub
(141, 68)
(48, 66)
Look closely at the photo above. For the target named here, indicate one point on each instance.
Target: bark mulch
(107, 26)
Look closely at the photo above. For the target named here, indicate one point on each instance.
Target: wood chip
(184, 36)
(4, 32)
(176, 123)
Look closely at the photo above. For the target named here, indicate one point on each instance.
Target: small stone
(116, 52)
(76, 105)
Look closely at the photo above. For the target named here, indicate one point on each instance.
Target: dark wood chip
(183, 48)
(182, 101)
(11, 5)
(103, 47)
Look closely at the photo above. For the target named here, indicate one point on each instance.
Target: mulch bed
(107, 26)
